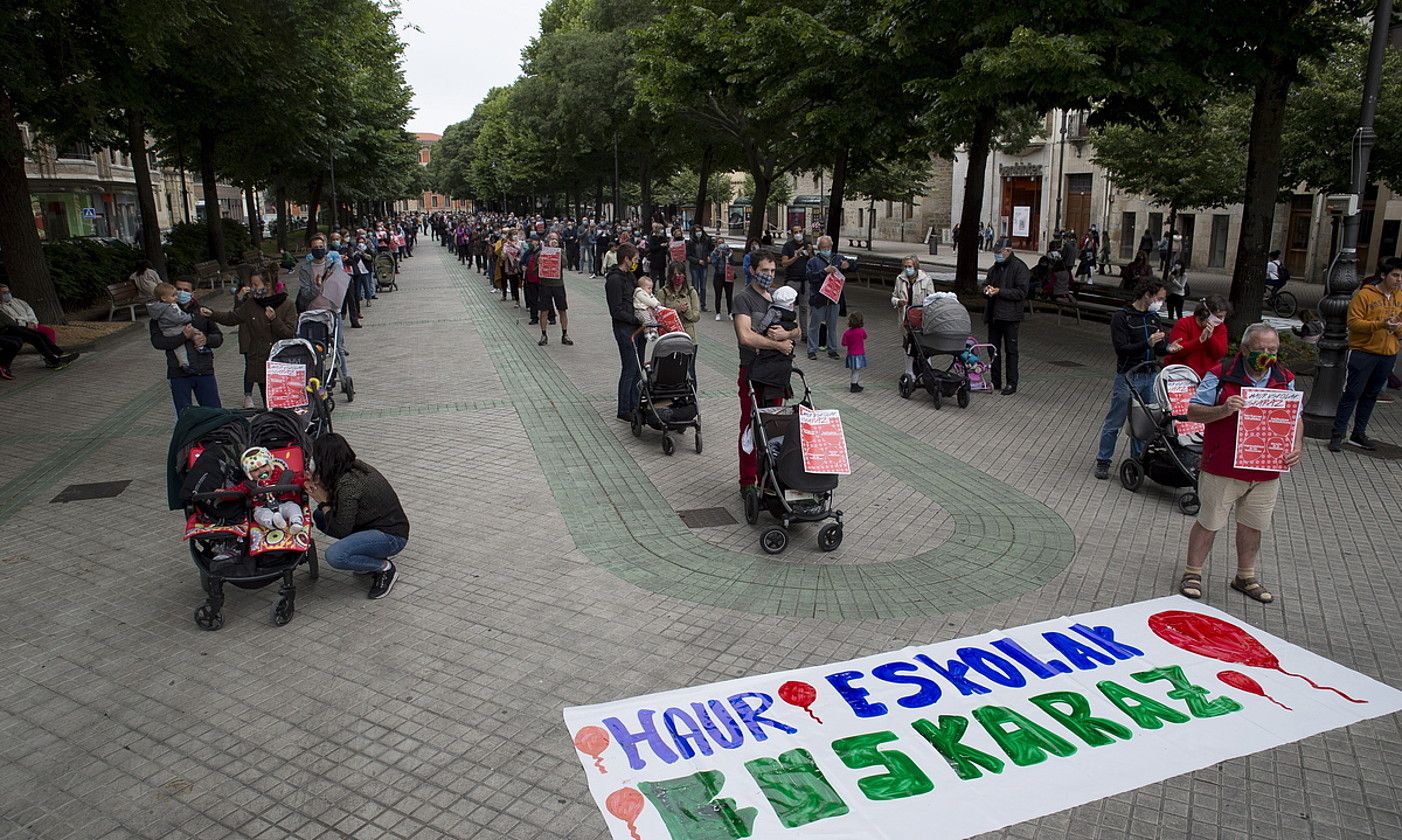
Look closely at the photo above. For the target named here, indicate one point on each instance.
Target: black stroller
(316, 413)
(940, 329)
(226, 543)
(667, 392)
(1172, 450)
(785, 490)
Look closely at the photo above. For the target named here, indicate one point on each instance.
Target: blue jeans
(629, 350)
(363, 551)
(698, 282)
(186, 389)
(822, 315)
(365, 286)
(1367, 376)
(1119, 411)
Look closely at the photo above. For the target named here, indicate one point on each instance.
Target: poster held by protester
(962, 737)
(1179, 395)
(1266, 428)
(676, 250)
(286, 385)
(832, 286)
(822, 442)
(668, 321)
(550, 263)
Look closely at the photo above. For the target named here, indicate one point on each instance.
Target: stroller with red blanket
(242, 532)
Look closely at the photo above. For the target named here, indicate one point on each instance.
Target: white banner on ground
(957, 738)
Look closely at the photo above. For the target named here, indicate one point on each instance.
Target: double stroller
(667, 392)
(788, 492)
(1172, 447)
(940, 327)
(229, 541)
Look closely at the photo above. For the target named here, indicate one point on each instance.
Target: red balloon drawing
(626, 804)
(1223, 641)
(592, 741)
(799, 694)
(1237, 679)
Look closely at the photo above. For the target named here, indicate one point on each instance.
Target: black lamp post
(1323, 402)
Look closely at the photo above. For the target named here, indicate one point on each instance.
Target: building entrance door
(1022, 207)
(1078, 203)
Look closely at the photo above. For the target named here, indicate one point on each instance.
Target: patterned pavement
(547, 567)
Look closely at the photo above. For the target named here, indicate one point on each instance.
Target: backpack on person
(1282, 273)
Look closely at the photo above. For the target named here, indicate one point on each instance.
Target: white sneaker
(279, 522)
(248, 401)
(717, 316)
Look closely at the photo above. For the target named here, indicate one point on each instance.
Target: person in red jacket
(1224, 487)
(1200, 340)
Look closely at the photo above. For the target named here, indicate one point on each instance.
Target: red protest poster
(540, 227)
(821, 440)
(1266, 428)
(729, 273)
(1179, 395)
(287, 385)
(677, 251)
(550, 264)
(832, 287)
(668, 321)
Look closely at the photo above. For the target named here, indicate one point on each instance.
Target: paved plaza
(548, 567)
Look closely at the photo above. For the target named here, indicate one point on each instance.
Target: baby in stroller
(281, 509)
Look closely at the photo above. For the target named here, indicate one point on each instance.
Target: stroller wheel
(1189, 504)
(1131, 475)
(283, 611)
(668, 445)
(906, 386)
(637, 422)
(935, 393)
(752, 506)
(963, 396)
(774, 540)
(698, 440)
(830, 537)
(209, 618)
(348, 388)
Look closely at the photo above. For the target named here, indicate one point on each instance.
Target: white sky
(465, 48)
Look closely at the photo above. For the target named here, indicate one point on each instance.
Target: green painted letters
(1028, 742)
(1145, 711)
(965, 760)
(903, 778)
(796, 788)
(1194, 695)
(690, 810)
(1077, 718)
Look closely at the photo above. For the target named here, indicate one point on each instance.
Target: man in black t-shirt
(794, 262)
(751, 303)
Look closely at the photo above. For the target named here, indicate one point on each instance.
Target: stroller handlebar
(239, 494)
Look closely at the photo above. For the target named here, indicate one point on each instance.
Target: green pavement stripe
(1004, 543)
(49, 471)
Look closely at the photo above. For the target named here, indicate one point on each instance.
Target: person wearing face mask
(698, 258)
(913, 285)
(751, 305)
(1222, 487)
(723, 278)
(619, 285)
(1005, 288)
(19, 326)
(1374, 325)
(192, 382)
(793, 263)
(264, 316)
(313, 271)
(1138, 337)
(819, 267)
(1200, 340)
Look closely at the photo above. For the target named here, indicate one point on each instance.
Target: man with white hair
(1223, 487)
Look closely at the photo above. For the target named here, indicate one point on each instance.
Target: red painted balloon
(1237, 679)
(626, 804)
(799, 694)
(592, 741)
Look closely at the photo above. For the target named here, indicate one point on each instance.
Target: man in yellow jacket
(1374, 325)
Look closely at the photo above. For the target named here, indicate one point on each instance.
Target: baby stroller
(227, 543)
(939, 328)
(785, 490)
(667, 393)
(316, 412)
(1172, 446)
(384, 272)
(322, 329)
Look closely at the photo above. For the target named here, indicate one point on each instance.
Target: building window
(75, 151)
(1156, 226)
(890, 209)
(1221, 224)
(1129, 237)
(435, 201)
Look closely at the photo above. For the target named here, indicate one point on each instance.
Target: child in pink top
(855, 340)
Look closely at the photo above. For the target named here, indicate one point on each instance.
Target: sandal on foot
(1190, 586)
(1252, 588)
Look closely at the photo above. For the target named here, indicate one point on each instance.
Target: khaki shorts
(1254, 501)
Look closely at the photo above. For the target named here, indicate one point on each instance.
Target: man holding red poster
(1240, 472)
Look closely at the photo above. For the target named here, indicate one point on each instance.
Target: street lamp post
(1343, 280)
(1061, 173)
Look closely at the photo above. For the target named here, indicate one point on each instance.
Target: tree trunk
(281, 198)
(839, 185)
(313, 209)
(214, 226)
(25, 265)
(703, 206)
(970, 216)
(145, 196)
(254, 217)
(645, 190)
(598, 197)
(1172, 223)
(758, 205)
(1262, 189)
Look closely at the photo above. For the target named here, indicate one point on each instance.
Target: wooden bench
(1099, 301)
(208, 272)
(123, 295)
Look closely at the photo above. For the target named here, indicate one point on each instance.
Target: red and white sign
(729, 273)
(1179, 395)
(822, 442)
(549, 264)
(832, 287)
(668, 321)
(1266, 428)
(677, 251)
(286, 385)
